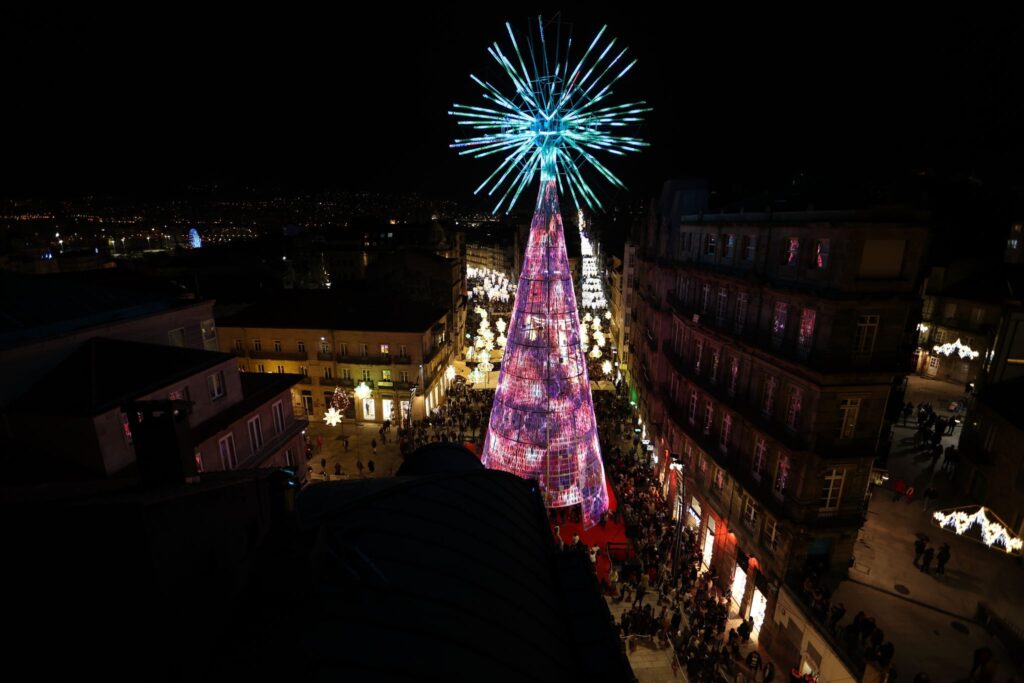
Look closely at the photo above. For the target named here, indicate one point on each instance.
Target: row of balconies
(784, 507)
(820, 360)
(350, 383)
(379, 359)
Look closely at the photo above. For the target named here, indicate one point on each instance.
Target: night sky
(151, 104)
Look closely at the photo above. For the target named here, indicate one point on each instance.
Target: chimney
(163, 443)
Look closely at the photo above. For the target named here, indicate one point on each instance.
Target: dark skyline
(360, 103)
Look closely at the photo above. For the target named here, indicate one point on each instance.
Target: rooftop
(354, 307)
(103, 373)
(36, 307)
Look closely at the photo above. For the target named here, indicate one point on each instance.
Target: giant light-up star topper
(552, 122)
(553, 119)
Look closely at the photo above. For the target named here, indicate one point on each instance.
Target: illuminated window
(255, 433)
(385, 349)
(781, 474)
(791, 253)
(709, 416)
(832, 490)
(750, 514)
(867, 329)
(821, 254)
(693, 406)
(760, 457)
(226, 450)
(768, 396)
(771, 534)
(729, 248)
(749, 248)
(176, 337)
(199, 463)
(719, 482)
(126, 429)
(215, 385)
(710, 244)
(723, 437)
(849, 407)
(716, 355)
(806, 336)
(796, 398)
(278, 411)
(779, 321)
(385, 375)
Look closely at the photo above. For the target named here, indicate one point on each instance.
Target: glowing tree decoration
(551, 123)
(554, 119)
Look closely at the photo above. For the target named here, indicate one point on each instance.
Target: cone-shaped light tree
(551, 122)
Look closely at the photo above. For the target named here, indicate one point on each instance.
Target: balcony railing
(280, 355)
(324, 355)
(329, 381)
(403, 360)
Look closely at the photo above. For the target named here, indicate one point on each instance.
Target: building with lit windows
(81, 419)
(394, 354)
(768, 353)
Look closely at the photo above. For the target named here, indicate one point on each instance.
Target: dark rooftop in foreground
(103, 373)
(1007, 399)
(353, 307)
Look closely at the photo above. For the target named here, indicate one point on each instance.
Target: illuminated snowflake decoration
(552, 118)
(332, 417)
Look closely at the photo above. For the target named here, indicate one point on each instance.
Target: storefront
(708, 547)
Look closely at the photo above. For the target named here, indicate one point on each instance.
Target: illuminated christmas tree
(542, 423)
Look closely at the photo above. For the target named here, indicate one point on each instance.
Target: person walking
(359, 466)
(926, 560)
(370, 466)
(942, 558)
(919, 547)
(898, 489)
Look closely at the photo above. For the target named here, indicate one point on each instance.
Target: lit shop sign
(962, 350)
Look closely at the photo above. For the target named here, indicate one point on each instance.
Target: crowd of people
(861, 636)
(670, 603)
(463, 417)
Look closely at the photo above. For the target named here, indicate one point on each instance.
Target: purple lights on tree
(542, 424)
